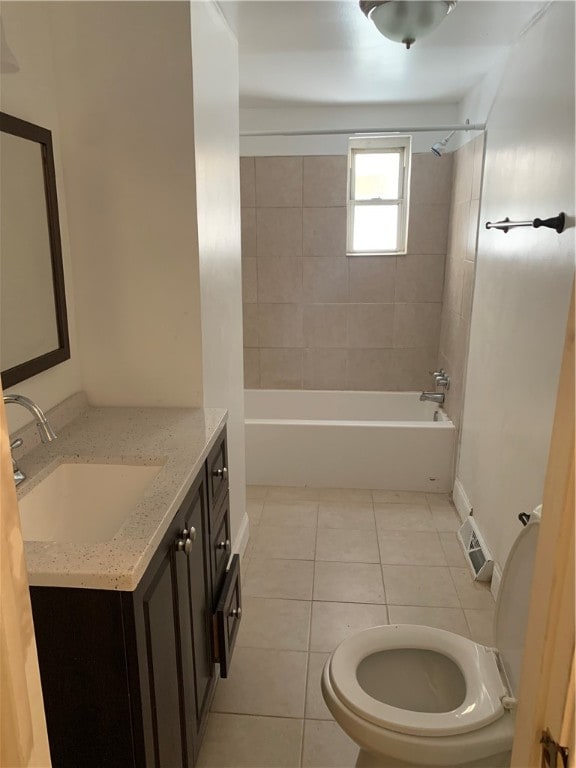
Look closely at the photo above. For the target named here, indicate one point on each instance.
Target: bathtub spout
(433, 397)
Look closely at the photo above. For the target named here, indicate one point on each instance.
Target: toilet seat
(485, 689)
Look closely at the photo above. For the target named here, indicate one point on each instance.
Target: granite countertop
(178, 439)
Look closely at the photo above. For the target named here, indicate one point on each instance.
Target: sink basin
(83, 503)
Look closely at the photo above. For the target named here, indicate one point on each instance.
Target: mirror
(33, 320)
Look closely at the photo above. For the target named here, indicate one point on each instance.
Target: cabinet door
(194, 609)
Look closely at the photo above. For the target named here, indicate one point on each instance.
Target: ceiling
(321, 52)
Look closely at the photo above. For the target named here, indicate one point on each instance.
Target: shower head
(440, 146)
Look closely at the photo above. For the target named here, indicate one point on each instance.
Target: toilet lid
(459, 685)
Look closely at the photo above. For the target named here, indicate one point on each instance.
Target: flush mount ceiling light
(404, 21)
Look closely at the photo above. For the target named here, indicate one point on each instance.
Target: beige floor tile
(292, 493)
(284, 542)
(290, 579)
(315, 705)
(400, 497)
(254, 509)
(419, 585)
(302, 514)
(439, 501)
(345, 494)
(264, 682)
(333, 622)
(244, 741)
(327, 746)
(256, 492)
(410, 548)
(472, 594)
(403, 517)
(350, 515)
(342, 545)
(450, 619)
(348, 582)
(268, 622)
(445, 519)
(452, 549)
(481, 624)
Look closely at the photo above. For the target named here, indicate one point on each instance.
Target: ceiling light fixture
(406, 20)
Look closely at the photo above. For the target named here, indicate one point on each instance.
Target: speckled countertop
(179, 439)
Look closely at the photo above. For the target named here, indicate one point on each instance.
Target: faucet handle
(16, 443)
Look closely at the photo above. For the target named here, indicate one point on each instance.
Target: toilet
(413, 695)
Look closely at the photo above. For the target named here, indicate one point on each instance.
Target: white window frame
(381, 144)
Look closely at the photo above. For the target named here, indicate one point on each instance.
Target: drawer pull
(223, 473)
(226, 545)
(184, 544)
(236, 613)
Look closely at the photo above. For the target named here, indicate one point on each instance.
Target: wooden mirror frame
(42, 136)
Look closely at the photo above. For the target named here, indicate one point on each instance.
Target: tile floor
(320, 565)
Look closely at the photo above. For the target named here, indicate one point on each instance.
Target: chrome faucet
(433, 397)
(45, 431)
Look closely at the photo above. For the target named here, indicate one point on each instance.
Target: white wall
(215, 74)
(30, 95)
(523, 282)
(372, 118)
(125, 86)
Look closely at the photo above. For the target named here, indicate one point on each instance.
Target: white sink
(83, 503)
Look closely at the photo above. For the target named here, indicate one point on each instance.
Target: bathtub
(380, 440)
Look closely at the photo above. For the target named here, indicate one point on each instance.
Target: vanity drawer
(217, 471)
(227, 617)
(220, 547)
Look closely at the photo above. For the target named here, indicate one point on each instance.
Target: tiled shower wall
(460, 270)
(317, 319)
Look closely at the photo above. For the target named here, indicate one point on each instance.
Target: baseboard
(242, 537)
(461, 500)
(496, 579)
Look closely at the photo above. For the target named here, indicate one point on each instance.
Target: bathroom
(154, 297)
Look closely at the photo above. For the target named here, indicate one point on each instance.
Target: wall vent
(477, 555)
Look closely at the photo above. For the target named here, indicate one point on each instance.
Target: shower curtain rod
(371, 131)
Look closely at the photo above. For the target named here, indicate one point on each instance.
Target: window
(378, 195)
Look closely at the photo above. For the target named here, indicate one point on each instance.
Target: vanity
(134, 623)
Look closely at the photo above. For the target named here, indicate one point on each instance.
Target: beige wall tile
(463, 173)
(252, 368)
(431, 178)
(326, 326)
(278, 232)
(280, 280)
(324, 231)
(280, 325)
(250, 325)
(473, 227)
(411, 367)
(370, 326)
(469, 269)
(247, 182)
(453, 283)
(281, 368)
(325, 368)
(371, 370)
(325, 180)
(249, 281)
(372, 278)
(248, 232)
(452, 338)
(478, 166)
(428, 228)
(325, 280)
(419, 277)
(458, 235)
(417, 325)
(278, 181)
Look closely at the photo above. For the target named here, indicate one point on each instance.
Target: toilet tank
(513, 602)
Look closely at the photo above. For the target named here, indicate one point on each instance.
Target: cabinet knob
(236, 613)
(223, 473)
(226, 545)
(188, 537)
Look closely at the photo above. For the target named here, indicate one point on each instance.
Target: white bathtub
(386, 440)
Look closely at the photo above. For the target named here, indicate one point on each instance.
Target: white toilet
(418, 696)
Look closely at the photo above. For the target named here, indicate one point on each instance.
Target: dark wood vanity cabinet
(128, 677)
